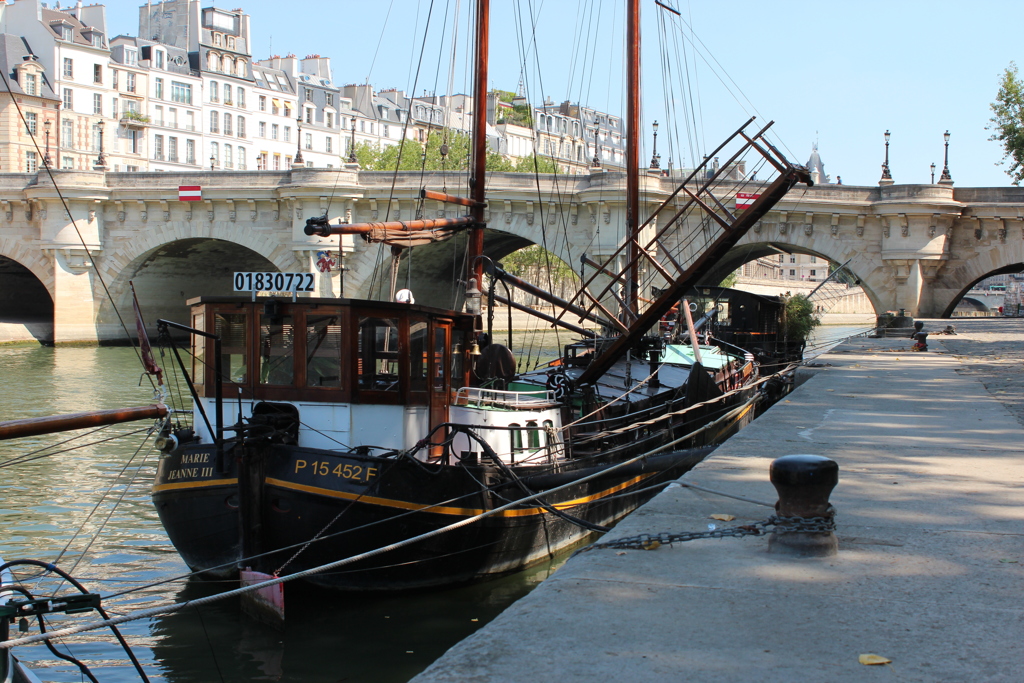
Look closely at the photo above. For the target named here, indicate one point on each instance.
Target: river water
(88, 511)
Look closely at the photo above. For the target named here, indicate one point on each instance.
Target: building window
(261, 161)
(130, 82)
(212, 61)
(158, 147)
(309, 141)
(241, 127)
(30, 84)
(68, 163)
(69, 68)
(97, 103)
(190, 152)
(273, 131)
(309, 115)
(287, 133)
(227, 94)
(31, 162)
(158, 115)
(228, 161)
(67, 134)
(66, 33)
(214, 153)
(288, 109)
(172, 149)
(181, 92)
(31, 122)
(158, 88)
(309, 94)
(97, 73)
(231, 42)
(814, 259)
(159, 59)
(262, 129)
(241, 158)
(288, 161)
(240, 67)
(227, 126)
(131, 56)
(241, 97)
(330, 99)
(386, 130)
(95, 137)
(263, 102)
(792, 273)
(214, 122)
(68, 101)
(814, 273)
(133, 141)
(217, 39)
(792, 258)
(330, 145)
(782, 258)
(330, 120)
(115, 75)
(214, 91)
(277, 162)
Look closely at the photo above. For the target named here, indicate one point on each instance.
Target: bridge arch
(168, 272)
(748, 250)
(972, 273)
(26, 304)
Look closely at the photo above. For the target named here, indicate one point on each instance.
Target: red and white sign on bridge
(745, 200)
(190, 193)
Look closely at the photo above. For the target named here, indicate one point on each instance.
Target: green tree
(798, 317)
(374, 158)
(1008, 122)
(730, 279)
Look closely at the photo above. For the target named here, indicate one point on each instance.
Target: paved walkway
(929, 571)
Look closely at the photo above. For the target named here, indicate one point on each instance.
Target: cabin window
(231, 329)
(418, 355)
(517, 437)
(198, 348)
(378, 354)
(323, 350)
(277, 349)
(533, 434)
(439, 357)
(457, 359)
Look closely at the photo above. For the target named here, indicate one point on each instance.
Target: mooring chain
(797, 525)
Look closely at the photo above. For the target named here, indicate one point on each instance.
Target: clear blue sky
(840, 73)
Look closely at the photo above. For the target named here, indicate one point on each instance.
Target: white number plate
(274, 282)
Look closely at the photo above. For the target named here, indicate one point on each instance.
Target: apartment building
(29, 112)
(320, 109)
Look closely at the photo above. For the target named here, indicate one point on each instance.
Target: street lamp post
(101, 160)
(655, 159)
(945, 178)
(933, 172)
(352, 144)
(46, 157)
(886, 176)
(213, 162)
(597, 150)
(299, 161)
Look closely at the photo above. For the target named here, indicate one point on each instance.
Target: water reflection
(89, 511)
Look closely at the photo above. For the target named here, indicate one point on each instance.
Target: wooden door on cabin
(440, 381)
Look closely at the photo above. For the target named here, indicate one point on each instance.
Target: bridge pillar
(74, 307)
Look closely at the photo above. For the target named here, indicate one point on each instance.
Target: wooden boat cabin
(374, 375)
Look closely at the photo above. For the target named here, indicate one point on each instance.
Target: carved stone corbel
(884, 222)
(835, 224)
(253, 213)
(277, 210)
(209, 209)
(904, 224)
(442, 210)
(508, 211)
(606, 213)
(143, 211)
(373, 209)
(166, 209)
(757, 228)
(861, 219)
(529, 213)
(592, 208)
(783, 225)
(809, 223)
(551, 213)
(1001, 229)
(231, 210)
(574, 212)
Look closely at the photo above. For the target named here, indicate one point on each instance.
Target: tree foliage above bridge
(1008, 122)
(412, 157)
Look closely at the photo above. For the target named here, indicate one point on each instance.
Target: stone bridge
(917, 247)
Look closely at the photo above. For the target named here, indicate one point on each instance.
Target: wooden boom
(33, 426)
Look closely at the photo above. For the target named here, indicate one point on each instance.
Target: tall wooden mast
(633, 152)
(477, 179)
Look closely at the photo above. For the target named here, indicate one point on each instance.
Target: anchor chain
(796, 525)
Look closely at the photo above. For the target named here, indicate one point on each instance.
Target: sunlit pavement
(928, 575)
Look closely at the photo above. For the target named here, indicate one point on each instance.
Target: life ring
(559, 385)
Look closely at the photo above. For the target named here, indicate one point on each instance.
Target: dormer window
(217, 40)
(231, 42)
(96, 39)
(131, 56)
(66, 32)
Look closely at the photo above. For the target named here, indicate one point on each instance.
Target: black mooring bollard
(804, 483)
